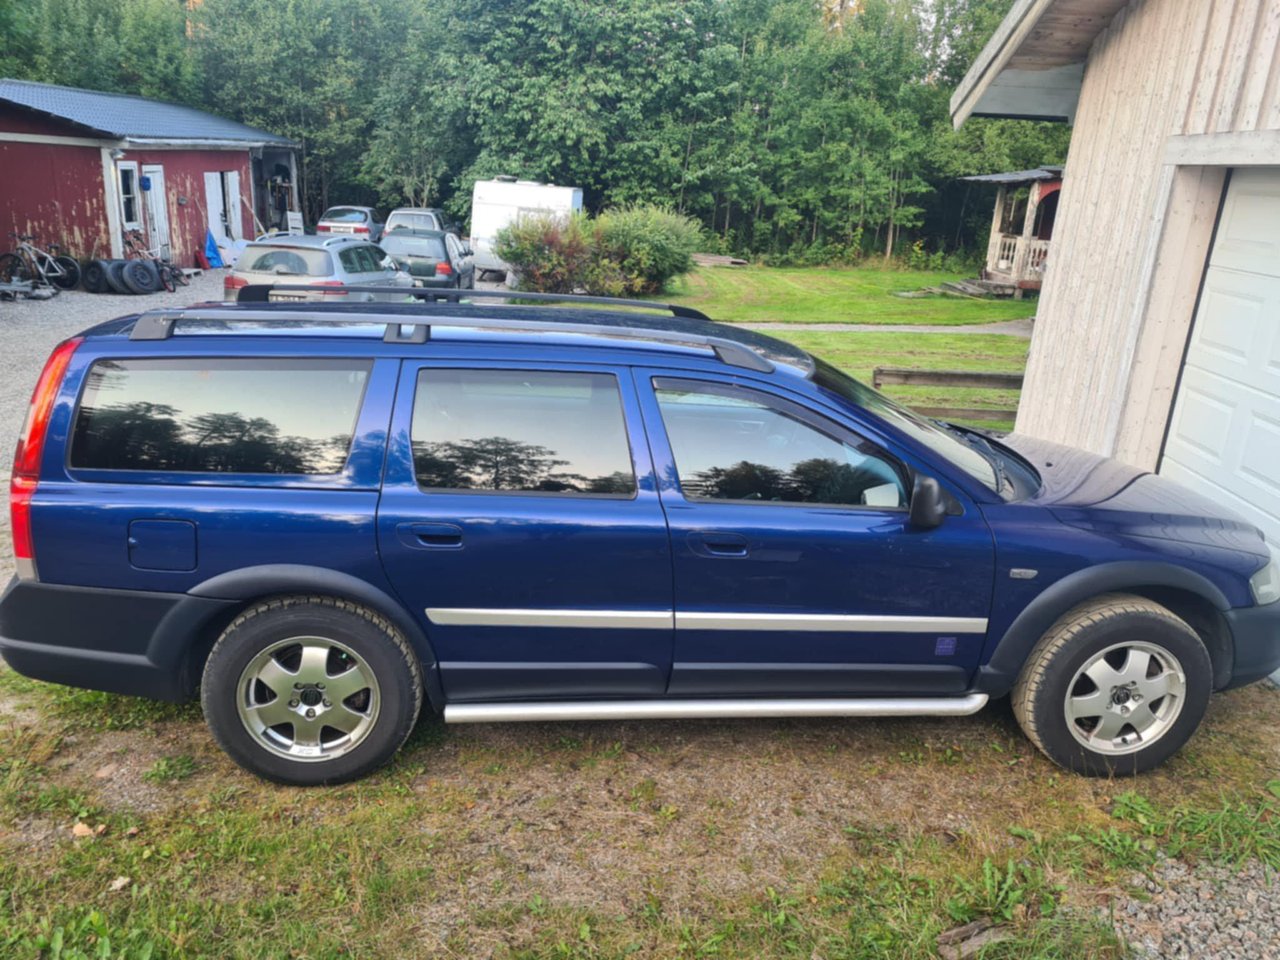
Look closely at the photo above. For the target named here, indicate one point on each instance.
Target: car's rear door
(796, 570)
(520, 522)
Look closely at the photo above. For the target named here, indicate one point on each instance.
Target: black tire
(179, 276)
(69, 279)
(165, 272)
(13, 269)
(140, 276)
(355, 635)
(1101, 635)
(115, 276)
(94, 278)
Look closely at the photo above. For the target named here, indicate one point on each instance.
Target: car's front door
(796, 569)
(520, 522)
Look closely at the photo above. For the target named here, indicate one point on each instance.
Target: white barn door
(1224, 435)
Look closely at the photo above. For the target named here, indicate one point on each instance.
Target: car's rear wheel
(1116, 686)
(311, 690)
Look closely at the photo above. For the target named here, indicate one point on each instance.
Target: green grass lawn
(833, 295)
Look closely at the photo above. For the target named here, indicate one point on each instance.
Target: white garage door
(1224, 438)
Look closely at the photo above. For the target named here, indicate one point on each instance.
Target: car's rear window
(521, 431)
(345, 215)
(413, 221)
(408, 245)
(286, 261)
(219, 415)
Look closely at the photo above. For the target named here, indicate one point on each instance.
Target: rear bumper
(1256, 632)
(121, 641)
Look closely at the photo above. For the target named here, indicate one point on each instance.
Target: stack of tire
(122, 276)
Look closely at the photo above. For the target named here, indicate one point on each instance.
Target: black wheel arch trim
(254, 583)
(996, 677)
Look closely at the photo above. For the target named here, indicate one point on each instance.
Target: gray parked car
(362, 222)
(420, 218)
(326, 263)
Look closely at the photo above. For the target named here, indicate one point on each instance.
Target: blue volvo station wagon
(317, 516)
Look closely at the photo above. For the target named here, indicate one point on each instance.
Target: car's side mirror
(928, 503)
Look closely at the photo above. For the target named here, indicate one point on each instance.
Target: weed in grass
(1003, 893)
(171, 769)
(84, 936)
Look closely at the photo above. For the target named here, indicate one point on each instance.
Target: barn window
(129, 203)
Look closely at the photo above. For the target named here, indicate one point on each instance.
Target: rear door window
(521, 431)
(254, 416)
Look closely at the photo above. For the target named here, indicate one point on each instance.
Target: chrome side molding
(513, 712)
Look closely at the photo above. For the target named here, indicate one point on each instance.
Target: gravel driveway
(29, 330)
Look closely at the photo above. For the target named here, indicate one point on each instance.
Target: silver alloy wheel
(1125, 698)
(308, 699)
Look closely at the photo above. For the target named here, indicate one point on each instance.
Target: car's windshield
(286, 261)
(413, 221)
(345, 215)
(407, 245)
(948, 445)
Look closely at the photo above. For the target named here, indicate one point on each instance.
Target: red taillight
(26, 460)
(231, 285)
(322, 228)
(443, 269)
(331, 283)
(359, 229)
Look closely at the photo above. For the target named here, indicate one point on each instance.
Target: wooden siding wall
(1132, 232)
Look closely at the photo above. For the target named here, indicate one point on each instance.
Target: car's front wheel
(311, 690)
(1116, 686)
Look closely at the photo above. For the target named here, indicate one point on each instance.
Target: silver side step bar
(508, 712)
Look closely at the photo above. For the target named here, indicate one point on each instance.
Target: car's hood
(1110, 497)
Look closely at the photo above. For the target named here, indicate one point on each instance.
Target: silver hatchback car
(327, 263)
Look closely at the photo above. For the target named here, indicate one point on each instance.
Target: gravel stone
(30, 329)
(1203, 912)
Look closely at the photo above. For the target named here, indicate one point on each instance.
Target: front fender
(997, 676)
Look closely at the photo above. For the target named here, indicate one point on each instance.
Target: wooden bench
(901, 376)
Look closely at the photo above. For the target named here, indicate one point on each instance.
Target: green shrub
(549, 254)
(649, 244)
(625, 252)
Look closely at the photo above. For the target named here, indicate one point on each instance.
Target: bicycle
(42, 268)
(169, 275)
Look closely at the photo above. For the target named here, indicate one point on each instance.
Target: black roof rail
(261, 293)
(408, 328)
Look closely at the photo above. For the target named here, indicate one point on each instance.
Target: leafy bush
(549, 254)
(625, 252)
(650, 245)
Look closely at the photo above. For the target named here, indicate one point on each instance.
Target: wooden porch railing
(900, 376)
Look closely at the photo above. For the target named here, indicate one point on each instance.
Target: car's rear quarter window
(255, 416)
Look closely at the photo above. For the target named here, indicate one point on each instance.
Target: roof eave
(1030, 70)
(208, 143)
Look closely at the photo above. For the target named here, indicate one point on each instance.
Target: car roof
(347, 206)
(567, 327)
(311, 241)
(416, 210)
(414, 233)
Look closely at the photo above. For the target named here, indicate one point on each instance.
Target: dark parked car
(362, 222)
(320, 515)
(433, 258)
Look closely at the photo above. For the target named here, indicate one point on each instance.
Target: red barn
(81, 167)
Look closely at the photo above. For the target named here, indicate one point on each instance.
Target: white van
(499, 202)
